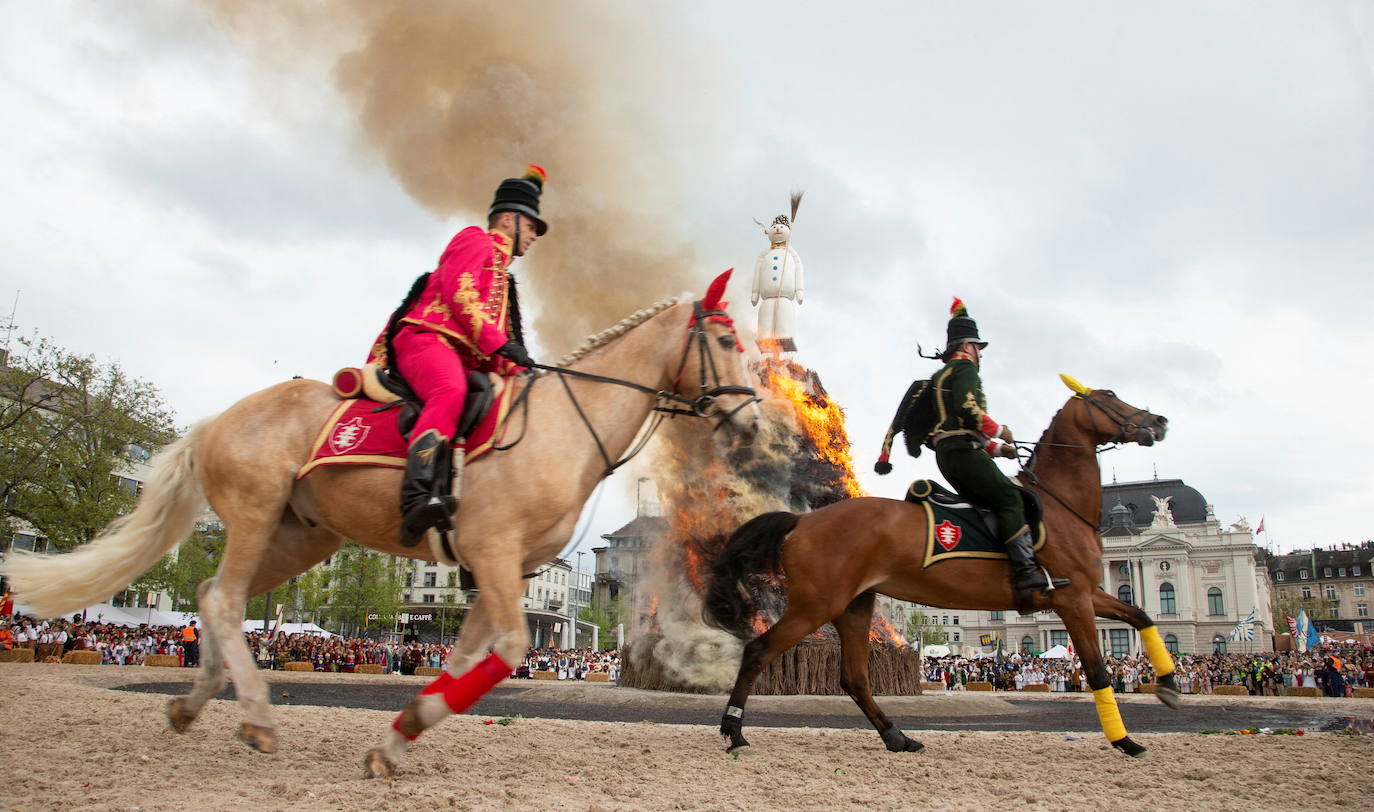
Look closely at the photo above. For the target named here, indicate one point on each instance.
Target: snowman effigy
(778, 286)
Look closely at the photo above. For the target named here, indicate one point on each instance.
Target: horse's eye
(726, 341)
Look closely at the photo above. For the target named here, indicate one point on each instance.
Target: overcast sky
(1173, 200)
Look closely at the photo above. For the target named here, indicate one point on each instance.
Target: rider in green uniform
(965, 439)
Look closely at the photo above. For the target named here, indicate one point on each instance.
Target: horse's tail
(54, 585)
(754, 549)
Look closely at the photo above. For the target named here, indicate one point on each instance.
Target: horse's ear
(712, 300)
(1078, 388)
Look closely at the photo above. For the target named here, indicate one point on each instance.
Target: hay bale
(82, 658)
(17, 655)
(932, 686)
(162, 661)
(553, 675)
(978, 686)
(370, 668)
(427, 671)
(1358, 693)
(598, 676)
(1037, 688)
(1230, 690)
(300, 666)
(1149, 687)
(1308, 690)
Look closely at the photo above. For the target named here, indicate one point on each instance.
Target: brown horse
(835, 559)
(519, 507)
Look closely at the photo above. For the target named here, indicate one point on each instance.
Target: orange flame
(880, 631)
(819, 417)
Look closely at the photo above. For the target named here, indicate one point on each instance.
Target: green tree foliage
(359, 583)
(606, 615)
(1286, 605)
(71, 430)
(181, 571)
(923, 630)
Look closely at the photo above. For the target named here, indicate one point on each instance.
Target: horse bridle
(666, 402)
(1125, 428)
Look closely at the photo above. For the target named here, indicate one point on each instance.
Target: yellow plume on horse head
(1073, 384)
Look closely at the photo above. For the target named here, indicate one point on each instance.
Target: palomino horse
(519, 507)
(834, 559)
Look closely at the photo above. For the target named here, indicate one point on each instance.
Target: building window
(1059, 637)
(944, 620)
(1215, 606)
(431, 564)
(1362, 609)
(1027, 644)
(1302, 574)
(429, 597)
(1307, 592)
(1359, 590)
(956, 637)
(1218, 644)
(1326, 572)
(1000, 617)
(1355, 570)
(956, 621)
(430, 578)
(1278, 576)
(1125, 594)
(1166, 600)
(1121, 642)
(1341, 572)
(1331, 593)
(1171, 643)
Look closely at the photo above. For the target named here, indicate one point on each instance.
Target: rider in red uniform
(462, 316)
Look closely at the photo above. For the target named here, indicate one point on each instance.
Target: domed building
(1165, 551)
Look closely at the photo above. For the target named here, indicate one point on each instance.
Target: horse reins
(666, 403)
(1123, 423)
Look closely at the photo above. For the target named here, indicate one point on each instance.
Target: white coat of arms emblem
(347, 436)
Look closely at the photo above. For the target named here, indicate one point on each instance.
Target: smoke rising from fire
(454, 96)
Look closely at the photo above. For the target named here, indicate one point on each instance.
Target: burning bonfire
(800, 462)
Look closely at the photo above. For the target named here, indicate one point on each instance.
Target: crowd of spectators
(1334, 672)
(121, 645)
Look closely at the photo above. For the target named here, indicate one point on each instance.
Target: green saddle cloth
(957, 529)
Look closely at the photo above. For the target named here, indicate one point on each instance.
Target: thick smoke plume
(457, 95)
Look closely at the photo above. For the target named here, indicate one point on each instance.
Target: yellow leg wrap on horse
(1109, 714)
(1160, 658)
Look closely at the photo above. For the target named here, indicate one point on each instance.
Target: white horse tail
(55, 585)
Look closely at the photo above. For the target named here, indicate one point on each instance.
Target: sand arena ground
(76, 742)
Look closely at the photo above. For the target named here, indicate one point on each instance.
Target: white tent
(1056, 653)
(935, 651)
(288, 628)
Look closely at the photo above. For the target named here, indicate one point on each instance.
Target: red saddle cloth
(357, 434)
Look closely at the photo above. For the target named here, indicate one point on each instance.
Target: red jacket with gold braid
(466, 301)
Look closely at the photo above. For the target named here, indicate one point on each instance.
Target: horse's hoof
(909, 746)
(262, 739)
(377, 765)
(1130, 748)
(738, 750)
(178, 716)
(1168, 696)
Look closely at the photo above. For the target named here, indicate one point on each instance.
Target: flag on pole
(1292, 627)
(984, 639)
(1244, 629)
(1260, 529)
(1313, 639)
(1303, 633)
(1000, 655)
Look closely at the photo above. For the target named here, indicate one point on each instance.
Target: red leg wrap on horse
(460, 693)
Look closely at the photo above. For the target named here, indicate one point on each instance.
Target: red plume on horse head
(712, 300)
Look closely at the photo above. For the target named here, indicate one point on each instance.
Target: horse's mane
(596, 341)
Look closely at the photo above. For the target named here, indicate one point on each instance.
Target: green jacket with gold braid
(960, 405)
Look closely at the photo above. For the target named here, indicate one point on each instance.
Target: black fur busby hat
(961, 327)
(521, 195)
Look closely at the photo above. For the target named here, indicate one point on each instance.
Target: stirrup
(435, 513)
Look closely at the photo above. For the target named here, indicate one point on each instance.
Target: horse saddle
(391, 390)
(948, 503)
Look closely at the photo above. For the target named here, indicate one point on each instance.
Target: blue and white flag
(1245, 628)
(1306, 636)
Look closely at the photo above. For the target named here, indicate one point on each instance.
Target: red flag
(6, 605)
(1260, 529)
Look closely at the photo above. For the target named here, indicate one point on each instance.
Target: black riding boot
(1027, 576)
(425, 498)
